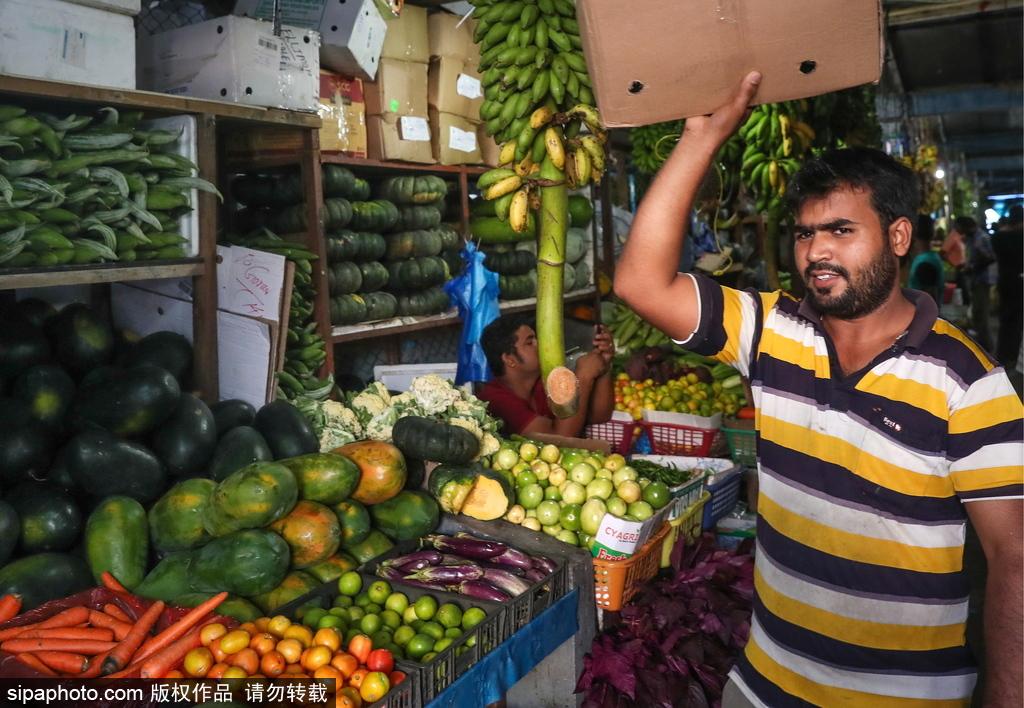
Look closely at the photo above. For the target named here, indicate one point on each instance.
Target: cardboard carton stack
(454, 90)
(397, 118)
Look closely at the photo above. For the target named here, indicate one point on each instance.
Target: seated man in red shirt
(516, 395)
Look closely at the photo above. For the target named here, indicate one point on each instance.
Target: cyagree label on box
(616, 538)
(414, 128)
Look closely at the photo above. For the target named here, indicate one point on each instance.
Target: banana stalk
(560, 383)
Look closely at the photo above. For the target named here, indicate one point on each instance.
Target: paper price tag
(468, 86)
(254, 283)
(461, 140)
(414, 128)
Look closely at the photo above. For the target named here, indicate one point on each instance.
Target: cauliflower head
(433, 393)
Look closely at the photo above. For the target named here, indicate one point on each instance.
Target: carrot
(99, 634)
(10, 605)
(179, 628)
(66, 618)
(101, 619)
(116, 612)
(63, 662)
(80, 646)
(112, 583)
(16, 631)
(95, 665)
(162, 661)
(122, 653)
(33, 661)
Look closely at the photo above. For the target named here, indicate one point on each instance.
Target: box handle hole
(807, 66)
(636, 87)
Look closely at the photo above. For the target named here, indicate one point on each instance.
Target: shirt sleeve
(729, 322)
(986, 441)
(503, 404)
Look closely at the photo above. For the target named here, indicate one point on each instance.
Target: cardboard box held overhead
(658, 60)
(406, 36)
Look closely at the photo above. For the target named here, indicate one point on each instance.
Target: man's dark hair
(499, 338)
(965, 225)
(893, 187)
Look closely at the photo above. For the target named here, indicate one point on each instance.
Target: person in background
(516, 395)
(954, 252)
(1008, 246)
(980, 276)
(881, 429)
(926, 272)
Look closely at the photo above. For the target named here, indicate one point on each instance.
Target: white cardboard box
(352, 31)
(123, 7)
(234, 59)
(62, 41)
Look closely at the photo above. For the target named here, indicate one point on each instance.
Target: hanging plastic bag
(475, 293)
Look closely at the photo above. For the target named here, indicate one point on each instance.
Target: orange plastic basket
(684, 440)
(615, 582)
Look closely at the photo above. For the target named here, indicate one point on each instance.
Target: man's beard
(862, 295)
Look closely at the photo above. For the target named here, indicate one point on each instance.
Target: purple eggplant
(519, 572)
(514, 558)
(482, 590)
(449, 574)
(411, 580)
(535, 575)
(545, 564)
(505, 581)
(472, 548)
(411, 562)
(389, 572)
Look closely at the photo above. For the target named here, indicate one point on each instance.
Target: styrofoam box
(715, 466)
(187, 146)
(62, 41)
(694, 421)
(122, 7)
(399, 377)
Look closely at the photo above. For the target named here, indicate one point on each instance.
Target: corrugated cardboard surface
(453, 139)
(400, 89)
(657, 60)
(343, 111)
(406, 37)
(454, 87)
(489, 150)
(385, 141)
(449, 38)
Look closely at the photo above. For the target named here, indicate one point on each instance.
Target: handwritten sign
(253, 284)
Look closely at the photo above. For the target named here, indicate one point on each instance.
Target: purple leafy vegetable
(467, 547)
(504, 580)
(481, 590)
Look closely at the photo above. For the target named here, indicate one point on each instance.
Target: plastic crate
(742, 446)
(671, 439)
(725, 492)
(615, 582)
(619, 433)
(688, 524)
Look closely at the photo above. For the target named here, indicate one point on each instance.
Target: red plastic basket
(672, 439)
(619, 433)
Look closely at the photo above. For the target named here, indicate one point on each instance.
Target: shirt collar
(925, 314)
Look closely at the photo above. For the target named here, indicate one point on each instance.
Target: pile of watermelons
(108, 463)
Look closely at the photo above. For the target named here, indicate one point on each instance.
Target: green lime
(343, 601)
(425, 607)
(313, 617)
(362, 600)
(409, 615)
(351, 632)
(396, 651)
(355, 614)
(380, 638)
(432, 629)
(330, 621)
(453, 632)
(471, 641)
(418, 646)
(428, 657)
(442, 644)
(350, 583)
(526, 477)
(472, 617)
(552, 493)
(569, 518)
(449, 615)
(397, 601)
(340, 612)
(379, 591)
(656, 494)
(391, 619)
(416, 624)
(373, 608)
(403, 634)
(370, 623)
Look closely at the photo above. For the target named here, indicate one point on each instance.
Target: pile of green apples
(566, 492)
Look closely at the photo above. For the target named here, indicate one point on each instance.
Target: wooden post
(204, 286)
(464, 202)
(312, 187)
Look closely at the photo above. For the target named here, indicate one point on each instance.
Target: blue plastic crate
(725, 492)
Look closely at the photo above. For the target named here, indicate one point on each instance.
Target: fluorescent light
(940, 173)
(1003, 197)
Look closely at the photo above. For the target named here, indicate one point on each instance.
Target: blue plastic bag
(475, 293)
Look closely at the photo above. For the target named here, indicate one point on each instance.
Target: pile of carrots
(81, 642)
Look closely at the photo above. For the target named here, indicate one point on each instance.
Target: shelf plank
(405, 325)
(99, 273)
(152, 101)
(392, 166)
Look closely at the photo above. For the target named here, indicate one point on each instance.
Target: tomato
(263, 643)
(360, 647)
(272, 664)
(330, 676)
(212, 631)
(291, 649)
(327, 637)
(746, 413)
(375, 686)
(247, 660)
(356, 679)
(198, 662)
(300, 632)
(173, 674)
(234, 641)
(348, 697)
(380, 660)
(315, 657)
(218, 654)
(345, 663)
(217, 671)
(396, 677)
(278, 624)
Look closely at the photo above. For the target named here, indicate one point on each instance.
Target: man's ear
(511, 361)
(901, 232)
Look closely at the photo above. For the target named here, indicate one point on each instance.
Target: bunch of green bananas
(775, 138)
(631, 333)
(651, 144)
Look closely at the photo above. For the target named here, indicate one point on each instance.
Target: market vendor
(881, 430)
(516, 395)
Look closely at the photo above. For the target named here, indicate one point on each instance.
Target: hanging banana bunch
(538, 105)
(776, 139)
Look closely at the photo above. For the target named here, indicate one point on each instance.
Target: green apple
(506, 459)
(528, 451)
(567, 536)
(601, 488)
(615, 462)
(549, 513)
(552, 493)
(595, 460)
(531, 523)
(541, 468)
(526, 478)
(570, 517)
(557, 476)
(582, 473)
(550, 454)
(604, 473)
(641, 510)
(626, 474)
(530, 496)
(520, 467)
(616, 506)
(629, 491)
(573, 493)
(591, 514)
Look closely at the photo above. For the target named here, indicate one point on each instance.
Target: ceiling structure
(954, 69)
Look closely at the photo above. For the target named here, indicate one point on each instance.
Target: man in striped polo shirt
(881, 430)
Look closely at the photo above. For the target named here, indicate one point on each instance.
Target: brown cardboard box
(454, 87)
(394, 137)
(645, 72)
(406, 38)
(400, 89)
(449, 38)
(453, 139)
(489, 149)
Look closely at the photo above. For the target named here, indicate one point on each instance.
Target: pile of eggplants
(471, 566)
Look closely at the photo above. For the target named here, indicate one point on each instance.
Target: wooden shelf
(388, 166)
(151, 101)
(405, 325)
(98, 273)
